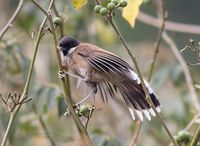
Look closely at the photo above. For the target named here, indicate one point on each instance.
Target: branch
(196, 137)
(133, 58)
(192, 122)
(9, 23)
(25, 91)
(82, 130)
(186, 71)
(169, 25)
(159, 38)
(157, 44)
(189, 126)
(137, 133)
(43, 125)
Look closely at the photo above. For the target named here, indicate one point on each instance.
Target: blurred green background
(111, 124)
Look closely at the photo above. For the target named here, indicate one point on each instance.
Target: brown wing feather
(102, 60)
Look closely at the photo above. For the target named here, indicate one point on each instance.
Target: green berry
(57, 20)
(104, 11)
(183, 137)
(123, 3)
(84, 109)
(111, 6)
(114, 1)
(97, 8)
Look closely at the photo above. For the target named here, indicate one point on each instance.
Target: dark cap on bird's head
(66, 43)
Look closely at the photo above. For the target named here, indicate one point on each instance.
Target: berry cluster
(111, 6)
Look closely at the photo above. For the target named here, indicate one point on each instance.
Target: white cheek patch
(71, 50)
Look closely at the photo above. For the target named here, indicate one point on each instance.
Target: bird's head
(66, 43)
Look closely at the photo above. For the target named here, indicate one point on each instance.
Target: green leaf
(44, 98)
(104, 140)
(61, 105)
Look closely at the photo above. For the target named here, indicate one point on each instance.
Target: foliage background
(111, 123)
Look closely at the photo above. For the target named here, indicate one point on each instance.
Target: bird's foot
(61, 74)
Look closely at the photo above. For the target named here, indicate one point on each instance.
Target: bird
(106, 74)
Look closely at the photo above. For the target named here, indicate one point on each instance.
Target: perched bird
(106, 73)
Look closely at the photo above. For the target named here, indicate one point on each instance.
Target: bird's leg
(62, 74)
(93, 92)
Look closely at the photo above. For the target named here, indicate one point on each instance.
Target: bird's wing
(103, 60)
(129, 85)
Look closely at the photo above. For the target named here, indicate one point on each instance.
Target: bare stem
(61, 28)
(159, 38)
(196, 137)
(148, 98)
(192, 122)
(169, 25)
(186, 71)
(81, 128)
(43, 125)
(158, 41)
(137, 133)
(9, 23)
(26, 87)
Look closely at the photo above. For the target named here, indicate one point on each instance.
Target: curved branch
(169, 25)
(9, 23)
(186, 71)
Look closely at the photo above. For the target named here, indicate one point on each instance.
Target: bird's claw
(76, 107)
(61, 74)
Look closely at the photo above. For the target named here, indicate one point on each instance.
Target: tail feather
(134, 96)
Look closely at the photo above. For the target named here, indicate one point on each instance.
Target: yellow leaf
(79, 3)
(131, 11)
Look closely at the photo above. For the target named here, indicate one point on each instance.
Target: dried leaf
(79, 3)
(131, 11)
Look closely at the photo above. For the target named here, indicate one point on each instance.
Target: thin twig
(43, 125)
(191, 123)
(186, 71)
(159, 38)
(61, 28)
(9, 23)
(148, 98)
(82, 130)
(158, 41)
(136, 134)
(196, 137)
(193, 64)
(169, 25)
(26, 87)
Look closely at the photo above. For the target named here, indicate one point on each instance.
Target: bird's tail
(134, 96)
